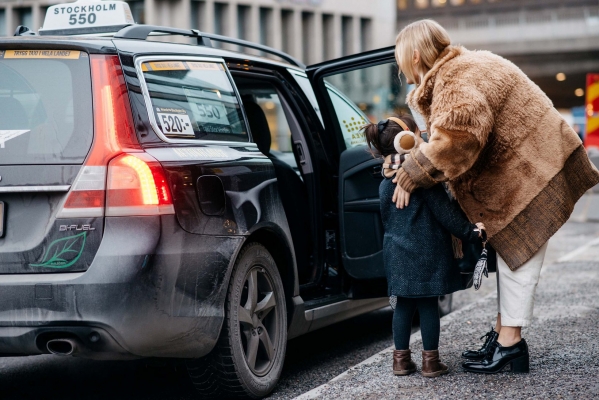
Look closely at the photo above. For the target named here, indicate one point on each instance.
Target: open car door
(350, 92)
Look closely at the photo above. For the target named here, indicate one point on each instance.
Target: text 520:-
(82, 19)
(172, 123)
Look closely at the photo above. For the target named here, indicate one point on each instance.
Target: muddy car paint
(148, 286)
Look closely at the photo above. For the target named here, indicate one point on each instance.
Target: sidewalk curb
(414, 338)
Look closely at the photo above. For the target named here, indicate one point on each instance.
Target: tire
(445, 303)
(248, 357)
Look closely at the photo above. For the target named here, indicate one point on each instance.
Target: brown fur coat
(511, 160)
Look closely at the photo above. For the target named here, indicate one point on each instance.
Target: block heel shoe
(402, 362)
(521, 365)
(499, 357)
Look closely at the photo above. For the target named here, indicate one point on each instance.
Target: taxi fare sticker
(165, 66)
(203, 66)
(174, 121)
(180, 66)
(53, 54)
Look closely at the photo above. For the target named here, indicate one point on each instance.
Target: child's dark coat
(417, 246)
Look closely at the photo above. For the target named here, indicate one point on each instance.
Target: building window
(24, 17)
(308, 35)
(328, 31)
(439, 3)
(243, 22)
(3, 23)
(266, 26)
(137, 11)
(220, 15)
(365, 34)
(197, 10)
(346, 35)
(287, 30)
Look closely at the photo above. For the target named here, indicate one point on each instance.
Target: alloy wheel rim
(258, 322)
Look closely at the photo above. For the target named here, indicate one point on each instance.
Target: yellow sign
(180, 66)
(54, 54)
(166, 66)
(203, 66)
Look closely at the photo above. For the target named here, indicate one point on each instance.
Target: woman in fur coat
(509, 158)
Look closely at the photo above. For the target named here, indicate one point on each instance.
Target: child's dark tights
(428, 308)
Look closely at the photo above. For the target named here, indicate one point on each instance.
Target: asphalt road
(311, 360)
(563, 340)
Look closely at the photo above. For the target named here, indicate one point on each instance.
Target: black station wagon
(183, 201)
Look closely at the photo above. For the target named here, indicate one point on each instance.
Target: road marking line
(575, 253)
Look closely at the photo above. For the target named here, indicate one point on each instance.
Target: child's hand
(481, 227)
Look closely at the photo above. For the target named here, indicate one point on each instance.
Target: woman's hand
(481, 228)
(401, 198)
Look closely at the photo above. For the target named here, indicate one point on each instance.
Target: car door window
(376, 90)
(304, 84)
(193, 100)
(267, 98)
(368, 94)
(351, 119)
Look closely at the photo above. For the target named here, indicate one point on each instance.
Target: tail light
(137, 186)
(136, 182)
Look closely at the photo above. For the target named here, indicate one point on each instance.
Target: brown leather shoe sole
(404, 372)
(436, 373)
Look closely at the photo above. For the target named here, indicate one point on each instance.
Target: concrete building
(310, 30)
(555, 42)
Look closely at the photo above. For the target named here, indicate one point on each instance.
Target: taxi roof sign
(86, 17)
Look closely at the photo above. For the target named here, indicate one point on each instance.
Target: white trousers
(516, 289)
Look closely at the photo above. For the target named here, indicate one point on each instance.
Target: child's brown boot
(402, 362)
(431, 366)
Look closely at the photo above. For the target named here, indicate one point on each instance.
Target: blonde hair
(426, 36)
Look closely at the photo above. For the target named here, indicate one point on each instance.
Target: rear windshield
(45, 107)
(194, 100)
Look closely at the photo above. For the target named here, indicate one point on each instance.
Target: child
(417, 247)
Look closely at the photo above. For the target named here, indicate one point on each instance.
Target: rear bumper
(153, 290)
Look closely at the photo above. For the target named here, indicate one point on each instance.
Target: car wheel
(248, 357)
(445, 304)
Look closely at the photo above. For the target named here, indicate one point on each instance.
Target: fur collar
(420, 98)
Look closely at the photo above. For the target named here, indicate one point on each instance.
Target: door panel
(350, 91)
(360, 225)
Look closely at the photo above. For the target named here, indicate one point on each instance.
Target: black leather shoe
(478, 355)
(499, 358)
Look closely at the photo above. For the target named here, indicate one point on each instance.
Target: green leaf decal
(62, 253)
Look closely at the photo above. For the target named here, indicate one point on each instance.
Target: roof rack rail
(141, 32)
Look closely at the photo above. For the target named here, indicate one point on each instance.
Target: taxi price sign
(174, 121)
(87, 16)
